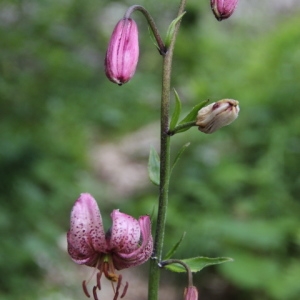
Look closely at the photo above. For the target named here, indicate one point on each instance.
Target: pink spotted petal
(86, 237)
(124, 234)
(141, 253)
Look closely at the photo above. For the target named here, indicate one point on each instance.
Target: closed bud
(216, 115)
(223, 9)
(191, 293)
(123, 52)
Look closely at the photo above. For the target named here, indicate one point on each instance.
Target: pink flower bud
(123, 52)
(223, 9)
(191, 293)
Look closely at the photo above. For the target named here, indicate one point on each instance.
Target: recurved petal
(143, 250)
(86, 237)
(125, 232)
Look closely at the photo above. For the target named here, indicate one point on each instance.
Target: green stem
(154, 272)
(178, 261)
(160, 44)
(179, 127)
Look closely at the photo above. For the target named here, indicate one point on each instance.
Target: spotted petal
(143, 250)
(125, 233)
(86, 237)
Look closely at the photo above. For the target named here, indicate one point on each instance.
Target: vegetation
(57, 106)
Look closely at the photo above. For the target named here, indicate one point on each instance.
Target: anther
(95, 292)
(85, 289)
(116, 296)
(99, 274)
(124, 290)
(119, 283)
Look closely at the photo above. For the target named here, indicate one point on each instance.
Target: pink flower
(223, 9)
(191, 293)
(126, 244)
(123, 52)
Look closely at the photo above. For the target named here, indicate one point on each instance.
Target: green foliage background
(235, 192)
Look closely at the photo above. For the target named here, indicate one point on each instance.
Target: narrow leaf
(152, 37)
(177, 111)
(154, 166)
(171, 29)
(192, 115)
(174, 248)
(179, 155)
(196, 264)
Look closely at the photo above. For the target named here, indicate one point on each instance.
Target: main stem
(154, 272)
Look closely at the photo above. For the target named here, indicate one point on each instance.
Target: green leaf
(179, 155)
(174, 248)
(154, 166)
(192, 115)
(196, 264)
(171, 29)
(177, 111)
(152, 37)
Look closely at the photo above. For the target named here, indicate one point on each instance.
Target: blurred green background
(65, 129)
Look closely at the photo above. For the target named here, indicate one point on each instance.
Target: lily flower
(126, 244)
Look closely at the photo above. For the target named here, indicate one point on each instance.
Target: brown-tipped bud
(191, 293)
(216, 115)
(123, 52)
(223, 9)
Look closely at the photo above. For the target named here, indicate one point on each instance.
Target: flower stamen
(125, 290)
(116, 296)
(95, 293)
(109, 275)
(119, 283)
(99, 274)
(85, 289)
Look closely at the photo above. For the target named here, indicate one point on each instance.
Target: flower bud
(216, 115)
(123, 52)
(191, 293)
(223, 9)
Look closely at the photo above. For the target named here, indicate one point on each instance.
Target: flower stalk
(181, 127)
(154, 272)
(160, 44)
(178, 261)
(191, 292)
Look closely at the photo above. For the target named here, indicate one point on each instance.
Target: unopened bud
(123, 52)
(216, 115)
(223, 9)
(191, 293)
